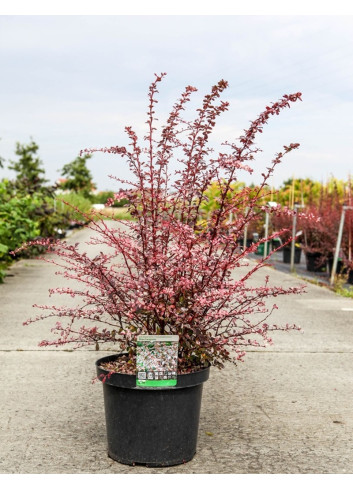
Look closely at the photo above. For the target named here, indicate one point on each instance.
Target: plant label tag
(156, 360)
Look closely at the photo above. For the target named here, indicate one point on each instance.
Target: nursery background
(74, 82)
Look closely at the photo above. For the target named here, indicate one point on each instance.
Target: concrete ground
(285, 410)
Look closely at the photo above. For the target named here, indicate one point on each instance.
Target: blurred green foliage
(78, 177)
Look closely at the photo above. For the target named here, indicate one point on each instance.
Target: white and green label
(156, 360)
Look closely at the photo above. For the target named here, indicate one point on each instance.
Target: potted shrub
(287, 253)
(320, 232)
(284, 220)
(346, 262)
(173, 278)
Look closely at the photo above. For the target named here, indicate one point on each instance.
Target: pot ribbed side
(156, 427)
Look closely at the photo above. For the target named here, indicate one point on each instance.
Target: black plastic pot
(350, 277)
(248, 242)
(314, 262)
(157, 426)
(339, 267)
(287, 252)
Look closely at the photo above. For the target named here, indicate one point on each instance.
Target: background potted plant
(284, 220)
(345, 263)
(320, 232)
(167, 273)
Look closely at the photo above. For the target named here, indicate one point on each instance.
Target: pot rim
(129, 380)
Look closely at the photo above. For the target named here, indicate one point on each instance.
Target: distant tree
(28, 168)
(302, 190)
(79, 177)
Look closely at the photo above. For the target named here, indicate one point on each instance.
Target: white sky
(72, 82)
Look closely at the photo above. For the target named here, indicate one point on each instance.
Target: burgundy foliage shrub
(320, 232)
(164, 273)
